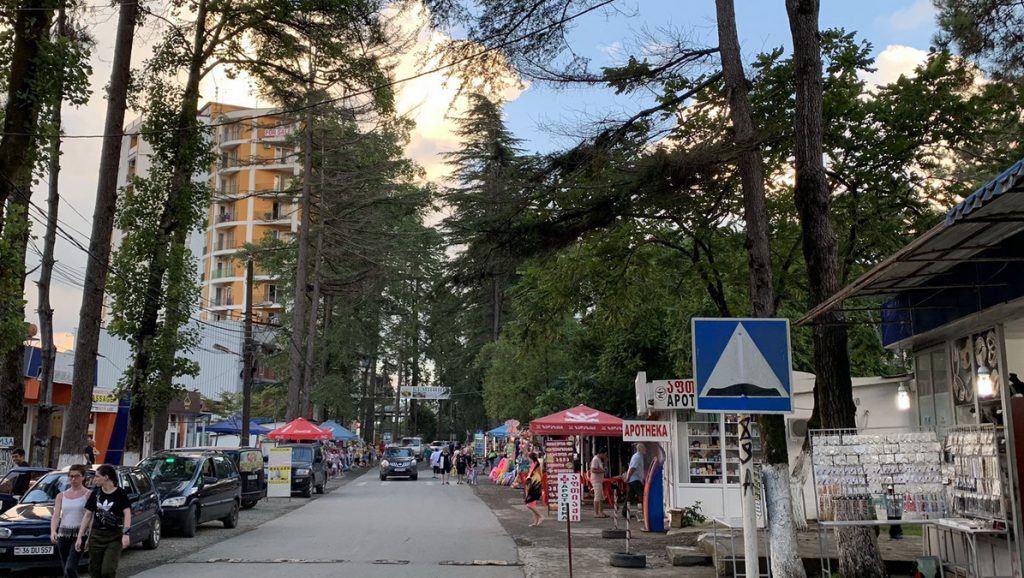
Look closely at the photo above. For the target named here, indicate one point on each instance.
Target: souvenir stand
(874, 478)
(558, 429)
(953, 300)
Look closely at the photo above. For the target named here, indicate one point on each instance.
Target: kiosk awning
(579, 420)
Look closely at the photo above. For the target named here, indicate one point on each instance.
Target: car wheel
(320, 488)
(154, 535)
(248, 504)
(383, 477)
(231, 520)
(414, 478)
(308, 491)
(191, 523)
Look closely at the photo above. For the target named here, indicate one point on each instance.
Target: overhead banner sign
(104, 401)
(645, 431)
(425, 392)
(279, 473)
(742, 365)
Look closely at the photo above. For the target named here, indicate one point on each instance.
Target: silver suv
(415, 444)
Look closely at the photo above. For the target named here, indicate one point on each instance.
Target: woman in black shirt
(108, 517)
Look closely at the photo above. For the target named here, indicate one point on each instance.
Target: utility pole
(247, 361)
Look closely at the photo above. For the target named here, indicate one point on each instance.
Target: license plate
(399, 469)
(32, 550)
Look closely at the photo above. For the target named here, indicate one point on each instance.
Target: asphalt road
(366, 528)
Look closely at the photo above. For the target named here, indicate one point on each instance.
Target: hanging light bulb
(985, 386)
(903, 398)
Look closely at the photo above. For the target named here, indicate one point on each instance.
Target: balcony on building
(223, 273)
(222, 301)
(231, 136)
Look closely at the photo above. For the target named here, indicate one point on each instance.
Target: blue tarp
(234, 426)
(499, 432)
(341, 433)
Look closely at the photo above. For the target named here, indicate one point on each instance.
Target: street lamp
(985, 386)
(903, 397)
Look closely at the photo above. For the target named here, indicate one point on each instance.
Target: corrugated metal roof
(997, 186)
(972, 226)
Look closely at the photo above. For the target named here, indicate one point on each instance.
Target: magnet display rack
(862, 475)
(979, 485)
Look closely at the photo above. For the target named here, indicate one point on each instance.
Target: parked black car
(16, 483)
(309, 468)
(194, 488)
(25, 528)
(249, 462)
(398, 462)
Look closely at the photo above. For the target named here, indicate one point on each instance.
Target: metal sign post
(570, 498)
(749, 510)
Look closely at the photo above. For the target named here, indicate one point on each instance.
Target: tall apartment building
(254, 170)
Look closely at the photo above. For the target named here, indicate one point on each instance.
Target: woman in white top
(68, 510)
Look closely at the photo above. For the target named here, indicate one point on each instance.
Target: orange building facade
(254, 180)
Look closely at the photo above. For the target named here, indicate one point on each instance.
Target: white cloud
(919, 14)
(894, 61)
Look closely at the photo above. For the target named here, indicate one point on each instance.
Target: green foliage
(986, 30)
(228, 403)
(693, 516)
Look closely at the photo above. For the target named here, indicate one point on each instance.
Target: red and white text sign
(645, 431)
(570, 497)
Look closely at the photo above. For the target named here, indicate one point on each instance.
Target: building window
(271, 294)
(935, 405)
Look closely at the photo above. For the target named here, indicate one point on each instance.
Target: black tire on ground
(320, 488)
(191, 523)
(613, 534)
(383, 477)
(248, 504)
(414, 478)
(153, 540)
(624, 560)
(231, 520)
(308, 491)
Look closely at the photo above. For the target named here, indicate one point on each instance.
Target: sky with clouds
(543, 116)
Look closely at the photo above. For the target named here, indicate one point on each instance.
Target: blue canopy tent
(499, 432)
(341, 433)
(233, 426)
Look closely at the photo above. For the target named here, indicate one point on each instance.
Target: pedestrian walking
(634, 477)
(532, 490)
(446, 467)
(461, 463)
(472, 470)
(597, 473)
(435, 462)
(68, 511)
(107, 520)
(90, 451)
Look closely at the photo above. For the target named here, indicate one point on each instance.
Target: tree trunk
(17, 156)
(171, 236)
(76, 419)
(858, 551)
(296, 373)
(44, 406)
(314, 307)
(785, 559)
(370, 403)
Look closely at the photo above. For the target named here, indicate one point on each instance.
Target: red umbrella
(299, 429)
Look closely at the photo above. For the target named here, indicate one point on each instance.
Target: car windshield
(302, 454)
(398, 453)
(164, 469)
(411, 441)
(47, 489)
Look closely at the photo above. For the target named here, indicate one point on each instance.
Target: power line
(364, 92)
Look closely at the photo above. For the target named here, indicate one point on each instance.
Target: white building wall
(218, 371)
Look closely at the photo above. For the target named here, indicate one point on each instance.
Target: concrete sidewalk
(543, 550)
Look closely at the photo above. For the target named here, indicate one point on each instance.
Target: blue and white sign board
(742, 365)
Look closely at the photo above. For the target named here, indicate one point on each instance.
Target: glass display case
(713, 448)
